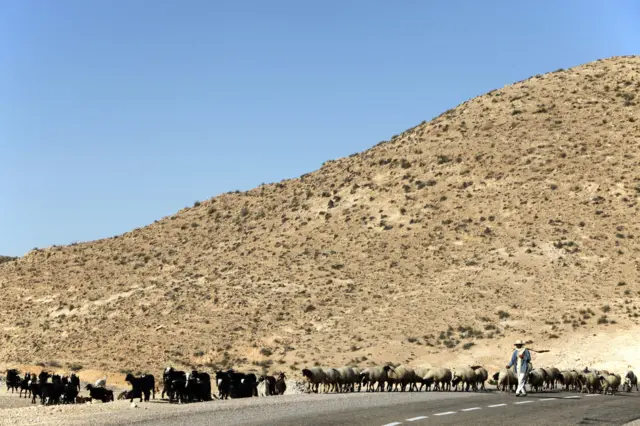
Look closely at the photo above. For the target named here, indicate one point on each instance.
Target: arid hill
(514, 215)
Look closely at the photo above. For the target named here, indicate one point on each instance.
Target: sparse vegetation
(266, 352)
(443, 159)
(503, 315)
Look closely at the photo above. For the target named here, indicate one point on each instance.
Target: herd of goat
(53, 388)
(183, 387)
(178, 386)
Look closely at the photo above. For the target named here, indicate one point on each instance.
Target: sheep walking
(346, 379)
(400, 377)
(537, 378)
(506, 380)
(591, 383)
(373, 375)
(332, 380)
(439, 377)
(315, 376)
(553, 374)
(610, 382)
(419, 374)
(465, 376)
(571, 380)
(481, 376)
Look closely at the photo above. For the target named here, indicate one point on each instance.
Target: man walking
(521, 359)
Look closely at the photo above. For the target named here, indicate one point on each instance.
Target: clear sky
(116, 113)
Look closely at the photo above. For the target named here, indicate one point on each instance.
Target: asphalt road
(391, 409)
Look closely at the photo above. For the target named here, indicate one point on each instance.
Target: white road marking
(446, 413)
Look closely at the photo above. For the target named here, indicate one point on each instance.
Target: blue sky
(117, 113)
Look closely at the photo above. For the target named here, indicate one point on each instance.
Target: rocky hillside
(513, 215)
(6, 259)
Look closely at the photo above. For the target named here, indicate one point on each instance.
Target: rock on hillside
(514, 214)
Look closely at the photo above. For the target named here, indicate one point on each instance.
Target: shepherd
(521, 359)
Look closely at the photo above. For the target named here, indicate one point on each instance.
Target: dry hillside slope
(513, 215)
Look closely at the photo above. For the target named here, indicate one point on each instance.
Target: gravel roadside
(123, 412)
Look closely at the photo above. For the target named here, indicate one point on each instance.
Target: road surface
(382, 409)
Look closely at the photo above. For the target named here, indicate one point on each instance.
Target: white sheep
(536, 378)
(420, 373)
(464, 375)
(401, 377)
(591, 382)
(441, 377)
(612, 382)
(506, 380)
(371, 376)
(553, 374)
(571, 379)
(481, 376)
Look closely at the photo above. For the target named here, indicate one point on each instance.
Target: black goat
(242, 385)
(271, 382)
(43, 378)
(146, 384)
(174, 383)
(51, 391)
(24, 385)
(70, 389)
(181, 387)
(13, 380)
(36, 391)
(102, 394)
(281, 385)
(198, 387)
(223, 382)
(75, 380)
